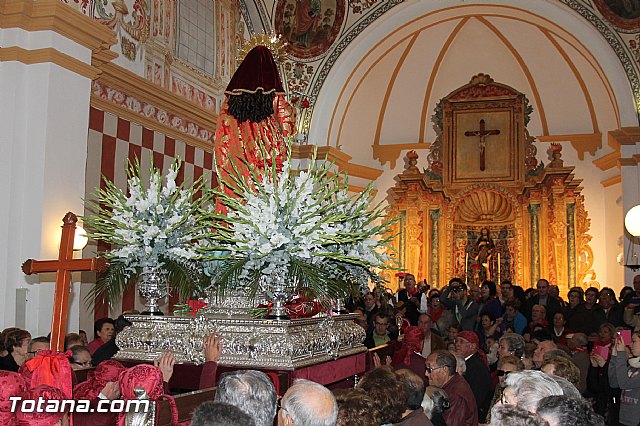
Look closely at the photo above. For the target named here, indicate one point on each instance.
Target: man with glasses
(80, 357)
(36, 345)
(441, 371)
(378, 335)
(455, 298)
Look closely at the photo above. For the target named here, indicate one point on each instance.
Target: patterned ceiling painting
(318, 32)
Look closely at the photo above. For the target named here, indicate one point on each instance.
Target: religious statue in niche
(254, 114)
(484, 248)
(309, 26)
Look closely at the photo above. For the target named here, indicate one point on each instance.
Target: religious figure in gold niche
(484, 248)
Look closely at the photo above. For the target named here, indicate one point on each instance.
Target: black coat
(479, 379)
(7, 363)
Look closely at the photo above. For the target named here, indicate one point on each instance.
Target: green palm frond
(110, 285)
(314, 281)
(185, 277)
(228, 277)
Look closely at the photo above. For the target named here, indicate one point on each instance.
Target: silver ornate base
(247, 342)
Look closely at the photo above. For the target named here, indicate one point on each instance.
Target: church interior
(514, 116)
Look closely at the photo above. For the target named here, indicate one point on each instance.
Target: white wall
(44, 117)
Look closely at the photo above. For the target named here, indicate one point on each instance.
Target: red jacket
(463, 410)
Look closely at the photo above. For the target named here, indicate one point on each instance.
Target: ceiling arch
(390, 65)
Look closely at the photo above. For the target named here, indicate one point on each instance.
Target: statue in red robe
(255, 113)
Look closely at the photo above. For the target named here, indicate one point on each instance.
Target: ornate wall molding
(49, 55)
(53, 15)
(124, 93)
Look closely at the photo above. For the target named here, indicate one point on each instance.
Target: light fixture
(80, 239)
(632, 221)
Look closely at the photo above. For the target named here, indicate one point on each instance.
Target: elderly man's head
(577, 340)
(467, 343)
(308, 403)
(526, 388)
(251, 391)
(38, 344)
(538, 313)
(542, 348)
(440, 367)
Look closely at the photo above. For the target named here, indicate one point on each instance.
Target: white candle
(466, 268)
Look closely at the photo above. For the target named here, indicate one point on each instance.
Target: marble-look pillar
(571, 245)
(435, 246)
(534, 238)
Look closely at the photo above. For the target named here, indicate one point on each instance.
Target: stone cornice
(608, 161)
(53, 15)
(624, 136)
(389, 153)
(582, 143)
(341, 159)
(48, 55)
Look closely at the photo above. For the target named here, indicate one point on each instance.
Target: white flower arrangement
(153, 228)
(303, 225)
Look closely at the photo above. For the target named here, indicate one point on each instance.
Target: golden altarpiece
(484, 207)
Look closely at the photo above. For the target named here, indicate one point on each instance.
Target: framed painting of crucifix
(483, 134)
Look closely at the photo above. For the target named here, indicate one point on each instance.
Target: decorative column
(534, 238)
(571, 245)
(402, 239)
(435, 246)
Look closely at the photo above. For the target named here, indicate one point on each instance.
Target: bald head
(307, 403)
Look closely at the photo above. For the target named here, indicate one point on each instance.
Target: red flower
(305, 103)
(295, 100)
(475, 266)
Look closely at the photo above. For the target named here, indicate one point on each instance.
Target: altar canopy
(484, 208)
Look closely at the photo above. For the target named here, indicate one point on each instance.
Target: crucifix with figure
(63, 268)
(482, 133)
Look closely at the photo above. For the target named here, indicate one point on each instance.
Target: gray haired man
(307, 403)
(251, 391)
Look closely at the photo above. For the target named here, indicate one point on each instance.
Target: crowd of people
(503, 355)
(459, 355)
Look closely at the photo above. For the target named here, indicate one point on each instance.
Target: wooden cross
(63, 268)
(482, 133)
